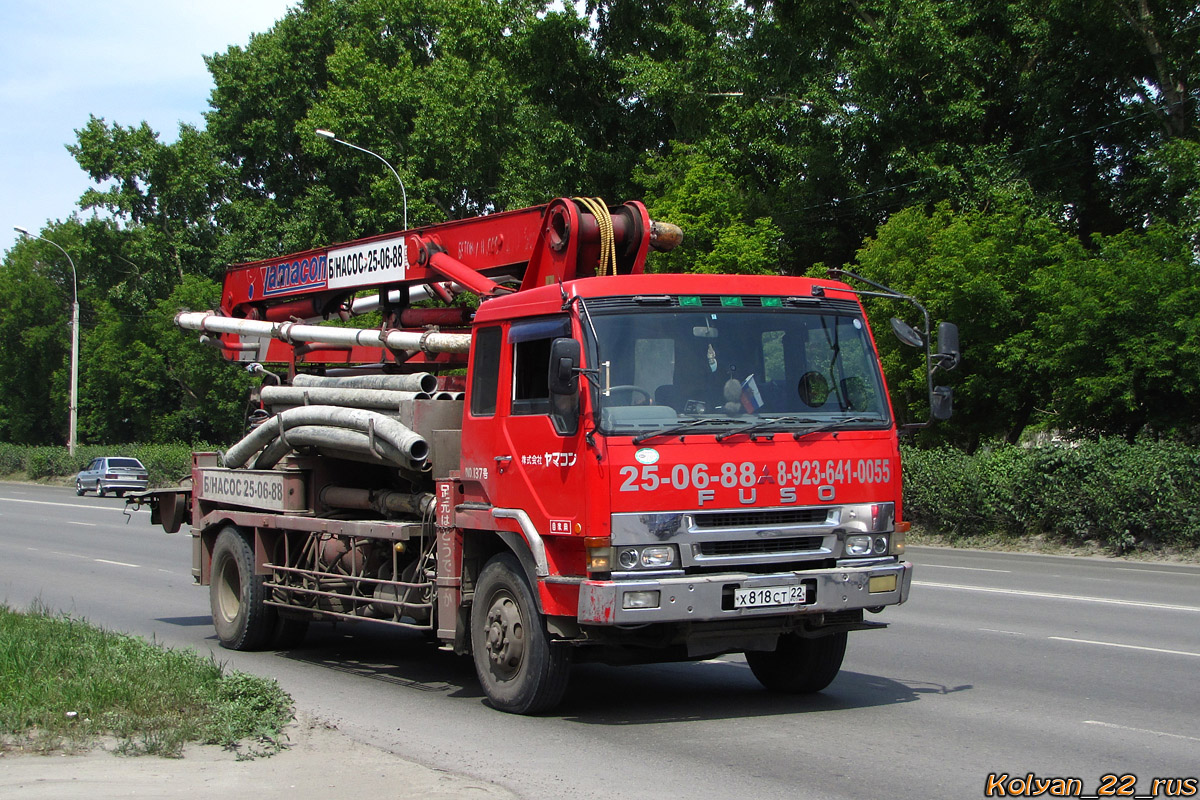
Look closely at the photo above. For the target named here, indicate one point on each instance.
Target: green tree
(980, 270)
(149, 381)
(35, 343)
(702, 196)
(170, 192)
(1119, 336)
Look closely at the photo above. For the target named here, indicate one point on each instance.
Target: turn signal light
(599, 553)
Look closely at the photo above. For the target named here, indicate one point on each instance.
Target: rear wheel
(243, 621)
(100, 492)
(522, 671)
(78, 487)
(799, 665)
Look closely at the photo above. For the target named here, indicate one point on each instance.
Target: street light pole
(74, 338)
(331, 136)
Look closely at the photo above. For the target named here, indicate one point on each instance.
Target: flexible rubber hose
(414, 447)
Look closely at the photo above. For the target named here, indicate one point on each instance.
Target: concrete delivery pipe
(415, 382)
(289, 396)
(293, 332)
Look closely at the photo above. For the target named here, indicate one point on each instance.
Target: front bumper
(710, 597)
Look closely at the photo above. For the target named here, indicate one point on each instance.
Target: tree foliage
(1032, 170)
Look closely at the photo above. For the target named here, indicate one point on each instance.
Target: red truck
(591, 463)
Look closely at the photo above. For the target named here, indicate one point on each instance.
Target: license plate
(768, 596)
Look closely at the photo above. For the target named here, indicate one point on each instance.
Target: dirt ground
(320, 763)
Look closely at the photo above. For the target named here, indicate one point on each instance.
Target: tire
(243, 621)
(119, 492)
(799, 665)
(78, 488)
(100, 492)
(520, 669)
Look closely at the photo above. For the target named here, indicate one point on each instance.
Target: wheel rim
(229, 591)
(504, 636)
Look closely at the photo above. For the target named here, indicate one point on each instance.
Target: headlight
(661, 556)
(880, 545)
(858, 545)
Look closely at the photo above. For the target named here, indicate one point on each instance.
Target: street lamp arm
(330, 135)
(74, 275)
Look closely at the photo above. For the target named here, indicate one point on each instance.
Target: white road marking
(1126, 646)
(77, 506)
(116, 563)
(1182, 573)
(89, 524)
(1112, 601)
(922, 564)
(1006, 633)
(1139, 730)
(86, 558)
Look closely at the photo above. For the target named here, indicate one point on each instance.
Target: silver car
(117, 475)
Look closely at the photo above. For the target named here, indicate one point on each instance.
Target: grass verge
(65, 684)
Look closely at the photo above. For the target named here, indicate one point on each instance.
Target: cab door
(539, 468)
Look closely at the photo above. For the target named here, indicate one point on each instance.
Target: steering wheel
(633, 390)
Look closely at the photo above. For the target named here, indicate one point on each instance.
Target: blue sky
(127, 61)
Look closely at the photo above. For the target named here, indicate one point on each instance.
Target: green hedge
(1120, 496)
(165, 463)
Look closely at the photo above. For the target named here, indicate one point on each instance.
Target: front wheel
(243, 621)
(522, 671)
(799, 665)
(78, 488)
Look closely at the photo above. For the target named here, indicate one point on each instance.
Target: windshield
(719, 369)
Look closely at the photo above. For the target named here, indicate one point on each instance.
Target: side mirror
(564, 385)
(906, 334)
(941, 403)
(947, 350)
(564, 363)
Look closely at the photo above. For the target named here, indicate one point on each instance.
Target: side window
(531, 363)
(531, 383)
(485, 372)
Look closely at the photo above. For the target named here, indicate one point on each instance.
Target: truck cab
(722, 474)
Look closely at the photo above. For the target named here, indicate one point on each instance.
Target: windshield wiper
(766, 423)
(673, 429)
(798, 435)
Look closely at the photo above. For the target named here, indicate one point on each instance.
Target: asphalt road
(1000, 664)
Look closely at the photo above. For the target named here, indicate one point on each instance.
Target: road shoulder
(319, 762)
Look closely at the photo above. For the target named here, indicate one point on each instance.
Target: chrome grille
(795, 544)
(760, 519)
